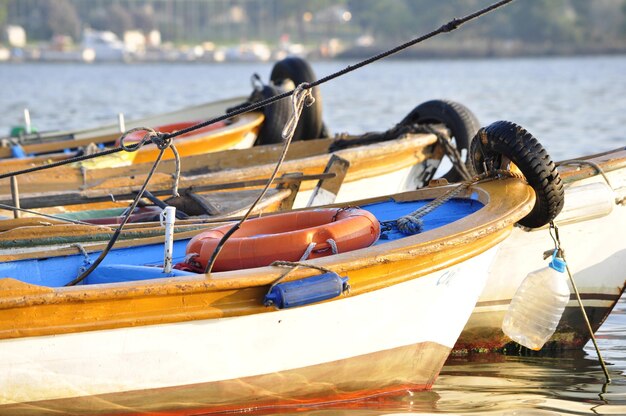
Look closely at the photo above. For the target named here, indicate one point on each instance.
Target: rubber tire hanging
(297, 70)
(276, 116)
(461, 122)
(503, 142)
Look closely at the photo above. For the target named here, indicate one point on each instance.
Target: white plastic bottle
(537, 306)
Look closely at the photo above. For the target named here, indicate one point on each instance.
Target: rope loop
(301, 97)
(308, 251)
(147, 138)
(176, 174)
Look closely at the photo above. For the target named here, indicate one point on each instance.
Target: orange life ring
(261, 241)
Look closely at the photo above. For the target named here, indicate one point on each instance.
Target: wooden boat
(143, 339)
(591, 226)
(405, 163)
(240, 132)
(402, 162)
(130, 338)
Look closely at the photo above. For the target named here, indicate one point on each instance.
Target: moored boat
(591, 227)
(238, 132)
(405, 157)
(145, 341)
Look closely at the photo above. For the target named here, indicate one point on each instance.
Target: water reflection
(563, 383)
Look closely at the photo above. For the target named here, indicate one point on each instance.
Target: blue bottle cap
(557, 264)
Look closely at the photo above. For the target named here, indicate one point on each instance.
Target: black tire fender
(461, 122)
(276, 116)
(503, 142)
(297, 70)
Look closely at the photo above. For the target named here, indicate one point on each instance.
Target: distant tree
(62, 18)
(45, 19)
(623, 25)
(538, 21)
(119, 19)
(97, 19)
(4, 5)
(143, 19)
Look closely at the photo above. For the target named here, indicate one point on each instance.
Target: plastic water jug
(537, 306)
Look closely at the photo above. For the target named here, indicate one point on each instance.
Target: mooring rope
(561, 251)
(452, 152)
(300, 98)
(177, 168)
(412, 223)
(163, 145)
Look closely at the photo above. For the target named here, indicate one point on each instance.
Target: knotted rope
(301, 96)
(412, 223)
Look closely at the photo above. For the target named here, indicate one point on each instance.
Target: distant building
(15, 36)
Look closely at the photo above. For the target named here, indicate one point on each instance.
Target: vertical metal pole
(121, 123)
(27, 124)
(169, 216)
(15, 195)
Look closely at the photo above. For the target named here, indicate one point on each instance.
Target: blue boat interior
(146, 262)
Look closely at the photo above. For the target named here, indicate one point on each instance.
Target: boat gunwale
(238, 125)
(111, 132)
(608, 161)
(468, 230)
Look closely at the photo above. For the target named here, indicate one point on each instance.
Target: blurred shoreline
(114, 50)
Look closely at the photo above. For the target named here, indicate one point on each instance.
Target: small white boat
(592, 226)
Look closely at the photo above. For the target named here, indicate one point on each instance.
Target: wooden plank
(327, 189)
(293, 187)
(76, 198)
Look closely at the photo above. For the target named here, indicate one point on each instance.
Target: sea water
(573, 106)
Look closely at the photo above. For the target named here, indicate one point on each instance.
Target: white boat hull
(395, 338)
(591, 229)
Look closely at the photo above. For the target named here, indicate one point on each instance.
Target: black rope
(61, 163)
(130, 148)
(118, 231)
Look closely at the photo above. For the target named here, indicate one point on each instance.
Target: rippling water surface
(574, 106)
